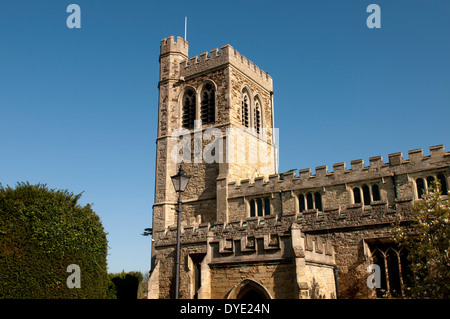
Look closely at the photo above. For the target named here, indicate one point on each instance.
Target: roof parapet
(227, 55)
(437, 154)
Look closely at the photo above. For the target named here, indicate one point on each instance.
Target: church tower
(215, 116)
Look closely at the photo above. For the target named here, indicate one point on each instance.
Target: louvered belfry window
(189, 109)
(245, 109)
(208, 107)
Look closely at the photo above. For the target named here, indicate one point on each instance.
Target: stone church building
(248, 231)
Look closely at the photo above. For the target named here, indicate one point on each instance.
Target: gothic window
(252, 208)
(260, 207)
(257, 117)
(318, 201)
(378, 258)
(245, 110)
(357, 195)
(208, 109)
(266, 206)
(301, 203)
(420, 187)
(395, 271)
(375, 193)
(366, 195)
(189, 109)
(369, 194)
(310, 201)
(441, 179)
(430, 180)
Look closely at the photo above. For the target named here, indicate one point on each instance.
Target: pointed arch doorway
(249, 289)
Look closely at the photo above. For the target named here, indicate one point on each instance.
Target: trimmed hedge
(42, 231)
(124, 285)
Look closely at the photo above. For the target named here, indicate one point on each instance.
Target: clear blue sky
(78, 107)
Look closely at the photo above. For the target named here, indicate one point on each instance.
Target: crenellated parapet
(254, 239)
(252, 226)
(217, 59)
(271, 228)
(172, 45)
(396, 165)
(354, 216)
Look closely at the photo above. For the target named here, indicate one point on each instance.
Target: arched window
(375, 193)
(318, 201)
(252, 208)
(430, 179)
(441, 179)
(257, 117)
(259, 206)
(420, 187)
(245, 109)
(301, 203)
(366, 195)
(208, 108)
(266, 206)
(188, 109)
(309, 200)
(393, 268)
(357, 195)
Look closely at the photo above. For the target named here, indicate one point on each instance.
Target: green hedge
(42, 231)
(124, 285)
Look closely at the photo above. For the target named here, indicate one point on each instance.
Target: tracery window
(395, 271)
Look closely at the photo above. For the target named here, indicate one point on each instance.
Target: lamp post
(179, 181)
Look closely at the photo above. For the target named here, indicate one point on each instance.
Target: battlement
(416, 162)
(170, 45)
(272, 227)
(253, 226)
(227, 55)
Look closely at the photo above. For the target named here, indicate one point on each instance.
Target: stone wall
(278, 278)
(396, 181)
(291, 253)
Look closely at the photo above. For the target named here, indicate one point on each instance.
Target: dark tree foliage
(124, 285)
(42, 232)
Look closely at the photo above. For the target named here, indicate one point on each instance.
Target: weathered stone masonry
(317, 234)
